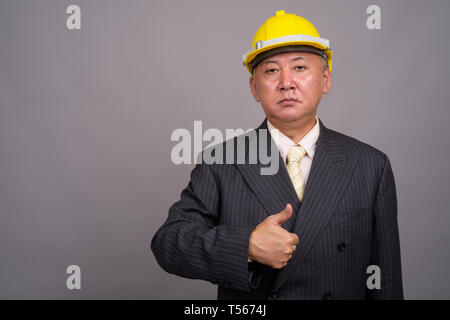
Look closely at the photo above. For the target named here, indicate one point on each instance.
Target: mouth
(288, 101)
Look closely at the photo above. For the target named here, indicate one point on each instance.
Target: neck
(294, 130)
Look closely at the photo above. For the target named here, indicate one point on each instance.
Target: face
(289, 86)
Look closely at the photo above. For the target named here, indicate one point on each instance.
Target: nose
(286, 81)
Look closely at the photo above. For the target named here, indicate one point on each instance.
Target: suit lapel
(273, 191)
(330, 172)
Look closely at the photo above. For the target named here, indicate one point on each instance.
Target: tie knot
(296, 154)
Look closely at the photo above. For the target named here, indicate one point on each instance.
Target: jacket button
(341, 246)
(224, 283)
(275, 295)
(327, 296)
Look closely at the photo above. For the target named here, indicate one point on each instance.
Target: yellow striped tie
(295, 155)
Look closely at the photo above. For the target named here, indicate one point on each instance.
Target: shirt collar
(283, 143)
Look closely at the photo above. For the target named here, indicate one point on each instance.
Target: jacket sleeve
(193, 244)
(386, 244)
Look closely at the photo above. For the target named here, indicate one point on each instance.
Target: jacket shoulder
(358, 149)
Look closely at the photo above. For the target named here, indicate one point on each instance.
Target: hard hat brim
(285, 49)
(319, 43)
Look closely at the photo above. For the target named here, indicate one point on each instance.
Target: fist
(272, 245)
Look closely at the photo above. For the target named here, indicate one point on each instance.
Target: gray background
(86, 118)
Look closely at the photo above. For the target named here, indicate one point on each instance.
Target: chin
(286, 119)
(289, 116)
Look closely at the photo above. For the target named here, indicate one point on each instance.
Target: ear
(252, 85)
(327, 81)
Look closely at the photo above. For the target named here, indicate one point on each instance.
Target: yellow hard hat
(287, 30)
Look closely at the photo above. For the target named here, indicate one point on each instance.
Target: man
(312, 229)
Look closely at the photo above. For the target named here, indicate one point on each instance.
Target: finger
(284, 215)
(290, 250)
(295, 239)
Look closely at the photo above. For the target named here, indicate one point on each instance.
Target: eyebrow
(294, 59)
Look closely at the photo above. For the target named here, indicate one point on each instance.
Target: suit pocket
(350, 216)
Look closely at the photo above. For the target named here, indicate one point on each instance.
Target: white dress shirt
(308, 142)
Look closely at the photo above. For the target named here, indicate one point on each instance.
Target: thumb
(284, 215)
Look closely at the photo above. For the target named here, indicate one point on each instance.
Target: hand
(272, 245)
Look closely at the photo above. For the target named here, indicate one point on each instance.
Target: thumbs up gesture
(272, 245)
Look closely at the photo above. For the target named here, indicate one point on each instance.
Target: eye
(299, 67)
(272, 70)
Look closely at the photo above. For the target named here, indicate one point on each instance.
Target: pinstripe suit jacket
(346, 222)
